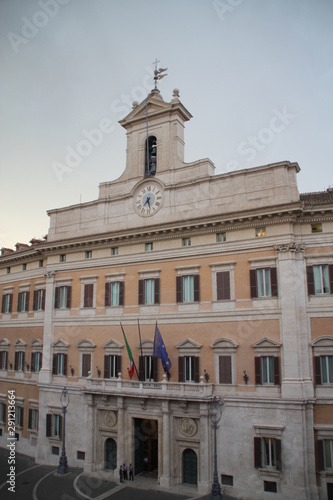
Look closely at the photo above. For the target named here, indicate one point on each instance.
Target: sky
(257, 76)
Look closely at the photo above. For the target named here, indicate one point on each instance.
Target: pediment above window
(36, 343)
(60, 345)
(20, 343)
(86, 344)
(188, 347)
(266, 346)
(4, 343)
(224, 344)
(113, 347)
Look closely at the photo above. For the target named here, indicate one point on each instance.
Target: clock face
(148, 200)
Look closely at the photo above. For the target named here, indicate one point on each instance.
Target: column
(121, 432)
(165, 452)
(90, 461)
(205, 475)
(45, 374)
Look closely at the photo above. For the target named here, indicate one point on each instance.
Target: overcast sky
(257, 76)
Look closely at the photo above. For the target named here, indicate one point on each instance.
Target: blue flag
(160, 351)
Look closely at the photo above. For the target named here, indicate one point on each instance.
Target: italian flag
(129, 352)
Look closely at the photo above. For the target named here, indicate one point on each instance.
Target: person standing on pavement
(125, 472)
(145, 465)
(131, 472)
(121, 474)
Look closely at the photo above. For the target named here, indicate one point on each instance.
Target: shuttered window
(263, 282)
(225, 369)
(114, 293)
(86, 364)
(320, 279)
(267, 453)
(223, 285)
(188, 288)
(88, 295)
(62, 297)
(149, 291)
(7, 303)
(267, 370)
(188, 369)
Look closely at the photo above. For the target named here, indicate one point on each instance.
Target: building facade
(235, 269)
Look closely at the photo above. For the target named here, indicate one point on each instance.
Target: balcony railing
(162, 389)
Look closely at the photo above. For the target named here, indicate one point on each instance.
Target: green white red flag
(129, 352)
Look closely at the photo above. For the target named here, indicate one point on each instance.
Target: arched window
(150, 156)
(110, 454)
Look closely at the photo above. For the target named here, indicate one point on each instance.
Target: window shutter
(5, 413)
(310, 280)
(278, 454)
(86, 364)
(35, 300)
(10, 302)
(330, 271)
(196, 282)
(16, 361)
(253, 283)
(69, 297)
(88, 295)
(141, 292)
(320, 455)
(65, 364)
(181, 369)
(43, 299)
(23, 361)
(157, 291)
(118, 365)
(40, 361)
(48, 425)
(121, 293)
(257, 452)
(3, 304)
(27, 302)
(155, 369)
(19, 301)
(317, 370)
(30, 419)
(141, 367)
(223, 285)
(107, 294)
(276, 370)
(57, 297)
(257, 368)
(55, 364)
(274, 284)
(33, 361)
(107, 366)
(196, 369)
(179, 288)
(225, 369)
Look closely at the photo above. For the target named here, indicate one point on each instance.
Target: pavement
(42, 482)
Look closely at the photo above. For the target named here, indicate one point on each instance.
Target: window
(62, 258)
(62, 298)
(3, 360)
(19, 417)
(88, 254)
(150, 156)
(149, 247)
(320, 279)
(188, 288)
(225, 375)
(227, 480)
(263, 282)
(7, 303)
(112, 365)
(188, 369)
(221, 237)
(23, 301)
(3, 413)
(270, 486)
(88, 295)
(8, 270)
(316, 228)
(36, 361)
(39, 300)
(328, 453)
(223, 285)
(267, 452)
(41, 263)
(59, 366)
(260, 232)
(114, 293)
(24, 267)
(267, 370)
(114, 251)
(33, 419)
(186, 242)
(86, 364)
(149, 291)
(324, 451)
(323, 366)
(147, 368)
(19, 361)
(53, 425)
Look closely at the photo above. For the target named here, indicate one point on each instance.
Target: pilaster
(166, 455)
(45, 374)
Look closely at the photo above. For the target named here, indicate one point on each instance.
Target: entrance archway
(190, 467)
(110, 454)
(145, 444)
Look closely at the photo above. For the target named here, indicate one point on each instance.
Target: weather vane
(158, 73)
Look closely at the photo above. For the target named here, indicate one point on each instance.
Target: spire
(158, 74)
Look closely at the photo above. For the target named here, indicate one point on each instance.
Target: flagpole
(136, 371)
(140, 338)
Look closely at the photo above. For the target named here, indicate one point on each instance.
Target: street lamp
(63, 465)
(215, 414)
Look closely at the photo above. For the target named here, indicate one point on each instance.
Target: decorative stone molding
(290, 247)
(188, 427)
(110, 418)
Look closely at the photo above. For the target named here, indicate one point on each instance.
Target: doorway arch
(190, 467)
(110, 454)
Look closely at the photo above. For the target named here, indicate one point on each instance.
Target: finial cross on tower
(158, 72)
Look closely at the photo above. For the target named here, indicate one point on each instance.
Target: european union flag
(160, 351)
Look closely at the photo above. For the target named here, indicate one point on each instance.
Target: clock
(148, 199)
